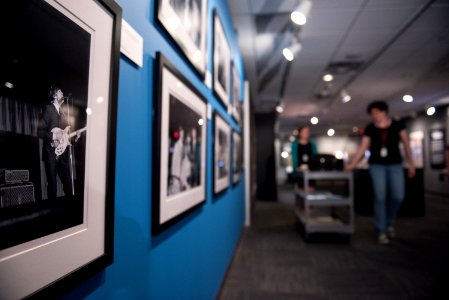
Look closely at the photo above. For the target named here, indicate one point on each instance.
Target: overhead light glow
(279, 108)
(288, 54)
(345, 97)
(284, 154)
(9, 85)
(331, 132)
(339, 154)
(407, 98)
(298, 18)
(328, 77)
(430, 111)
(314, 120)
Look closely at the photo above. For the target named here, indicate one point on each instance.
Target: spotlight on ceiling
(331, 132)
(430, 111)
(328, 77)
(300, 15)
(407, 98)
(279, 108)
(345, 97)
(298, 18)
(289, 53)
(314, 120)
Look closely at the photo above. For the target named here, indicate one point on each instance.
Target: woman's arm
(364, 145)
(408, 153)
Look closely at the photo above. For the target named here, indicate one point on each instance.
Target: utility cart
(325, 203)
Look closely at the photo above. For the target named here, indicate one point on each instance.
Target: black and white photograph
(186, 23)
(180, 133)
(236, 87)
(222, 62)
(48, 121)
(222, 154)
(237, 155)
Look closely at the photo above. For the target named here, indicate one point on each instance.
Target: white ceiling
(377, 49)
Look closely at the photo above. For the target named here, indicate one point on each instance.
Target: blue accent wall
(189, 260)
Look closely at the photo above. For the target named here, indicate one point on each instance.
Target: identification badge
(305, 158)
(383, 152)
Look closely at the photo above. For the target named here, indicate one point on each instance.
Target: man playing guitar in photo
(56, 149)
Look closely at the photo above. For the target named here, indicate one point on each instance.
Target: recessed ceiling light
(314, 120)
(430, 111)
(331, 132)
(407, 98)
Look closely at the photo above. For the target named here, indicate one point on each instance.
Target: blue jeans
(389, 191)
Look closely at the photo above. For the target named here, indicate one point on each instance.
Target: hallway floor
(272, 261)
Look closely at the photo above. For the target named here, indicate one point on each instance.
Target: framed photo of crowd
(186, 22)
(180, 146)
(222, 153)
(57, 142)
(222, 62)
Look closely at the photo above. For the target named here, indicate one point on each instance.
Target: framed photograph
(58, 102)
(222, 62)
(236, 104)
(237, 159)
(186, 22)
(222, 154)
(180, 146)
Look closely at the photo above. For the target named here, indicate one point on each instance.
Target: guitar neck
(76, 132)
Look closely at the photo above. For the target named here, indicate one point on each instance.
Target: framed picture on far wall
(236, 104)
(179, 181)
(222, 153)
(237, 158)
(186, 22)
(222, 62)
(57, 142)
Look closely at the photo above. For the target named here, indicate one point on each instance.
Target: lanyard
(384, 136)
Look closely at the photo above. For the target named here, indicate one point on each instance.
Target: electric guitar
(61, 138)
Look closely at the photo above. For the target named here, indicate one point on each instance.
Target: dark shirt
(385, 137)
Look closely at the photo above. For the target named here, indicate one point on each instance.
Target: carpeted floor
(273, 261)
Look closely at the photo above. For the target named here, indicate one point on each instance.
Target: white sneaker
(383, 239)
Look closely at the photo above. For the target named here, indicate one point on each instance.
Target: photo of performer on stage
(57, 152)
(44, 59)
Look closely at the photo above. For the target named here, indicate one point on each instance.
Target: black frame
(77, 275)
(159, 225)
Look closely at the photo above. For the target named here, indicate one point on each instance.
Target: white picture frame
(42, 266)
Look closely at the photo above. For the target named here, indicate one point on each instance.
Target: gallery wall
(189, 259)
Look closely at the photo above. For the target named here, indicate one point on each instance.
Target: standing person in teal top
(302, 150)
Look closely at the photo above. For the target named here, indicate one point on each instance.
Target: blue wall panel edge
(190, 259)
